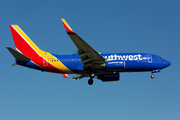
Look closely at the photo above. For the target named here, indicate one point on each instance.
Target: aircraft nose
(167, 63)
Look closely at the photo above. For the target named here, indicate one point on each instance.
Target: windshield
(159, 57)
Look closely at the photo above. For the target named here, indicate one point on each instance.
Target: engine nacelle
(109, 77)
(115, 64)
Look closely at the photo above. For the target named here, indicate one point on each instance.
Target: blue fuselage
(115, 62)
(131, 62)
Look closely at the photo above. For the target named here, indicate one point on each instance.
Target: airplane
(87, 62)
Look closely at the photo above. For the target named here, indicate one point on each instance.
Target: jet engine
(109, 77)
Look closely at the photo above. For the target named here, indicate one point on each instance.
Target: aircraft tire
(152, 76)
(90, 81)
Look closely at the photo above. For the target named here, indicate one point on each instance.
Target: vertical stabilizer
(23, 43)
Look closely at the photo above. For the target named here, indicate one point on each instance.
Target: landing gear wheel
(152, 76)
(90, 81)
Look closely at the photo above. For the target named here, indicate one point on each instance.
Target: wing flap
(83, 55)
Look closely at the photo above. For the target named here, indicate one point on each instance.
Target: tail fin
(23, 43)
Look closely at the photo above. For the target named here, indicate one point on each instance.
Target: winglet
(65, 76)
(67, 27)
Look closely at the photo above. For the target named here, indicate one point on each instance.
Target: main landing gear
(90, 81)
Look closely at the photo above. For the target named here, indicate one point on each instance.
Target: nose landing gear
(152, 76)
(154, 71)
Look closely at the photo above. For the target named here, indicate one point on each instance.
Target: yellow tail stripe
(47, 56)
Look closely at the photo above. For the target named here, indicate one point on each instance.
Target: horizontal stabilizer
(18, 55)
(14, 64)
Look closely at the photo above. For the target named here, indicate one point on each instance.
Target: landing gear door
(149, 57)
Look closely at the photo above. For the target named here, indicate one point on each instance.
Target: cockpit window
(159, 57)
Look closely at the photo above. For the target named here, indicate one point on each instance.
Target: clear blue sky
(151, 26)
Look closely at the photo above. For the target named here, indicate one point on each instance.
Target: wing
(89, 56)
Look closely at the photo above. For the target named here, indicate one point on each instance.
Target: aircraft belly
(30, 64)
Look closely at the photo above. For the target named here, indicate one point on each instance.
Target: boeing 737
(87, 62)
